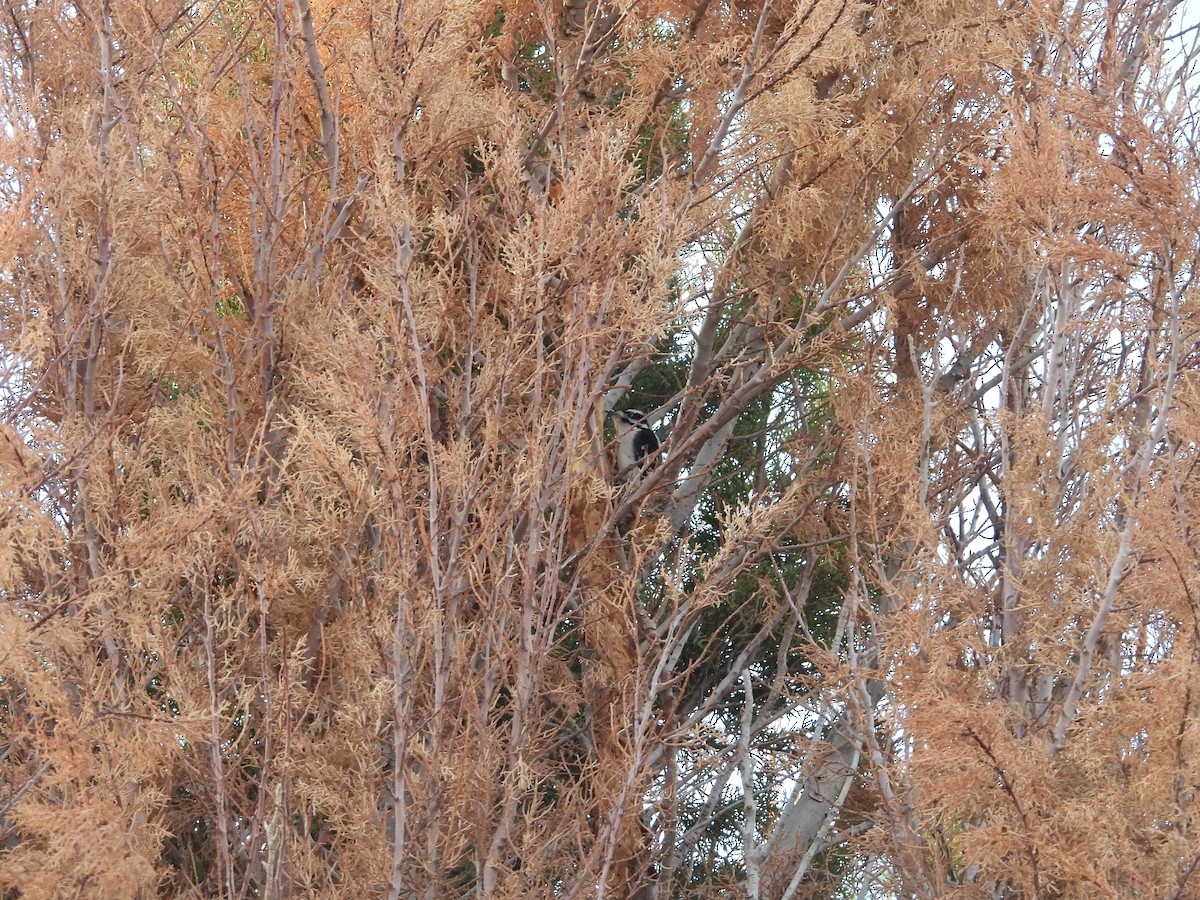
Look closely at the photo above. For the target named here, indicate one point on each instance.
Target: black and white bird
(635, 439)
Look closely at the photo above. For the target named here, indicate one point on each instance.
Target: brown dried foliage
(317, 574)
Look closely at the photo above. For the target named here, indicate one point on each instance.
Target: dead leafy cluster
(317, 574)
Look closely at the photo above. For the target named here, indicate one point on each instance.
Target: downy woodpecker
(635, 439)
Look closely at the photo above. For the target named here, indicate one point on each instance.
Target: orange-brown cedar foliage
(317, 575)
